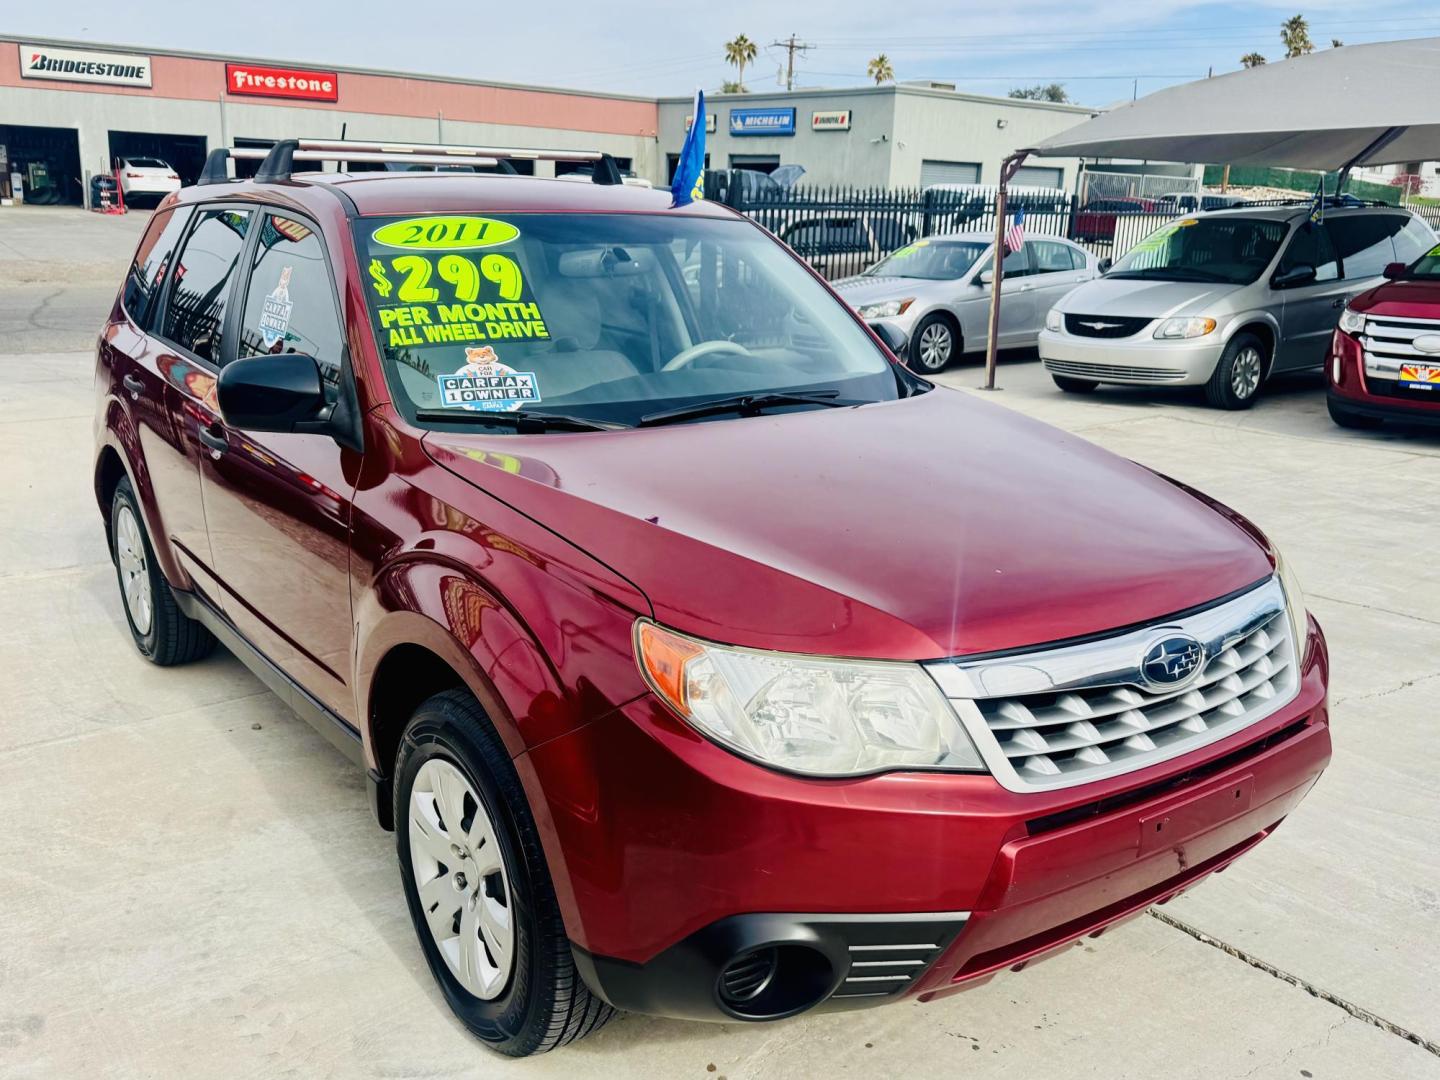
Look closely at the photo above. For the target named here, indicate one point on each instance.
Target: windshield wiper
(1169, 273)
(524, 421)
(746, 405)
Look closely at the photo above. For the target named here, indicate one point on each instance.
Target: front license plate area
(1171, 828)
(1423, 377)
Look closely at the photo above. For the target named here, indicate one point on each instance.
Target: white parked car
(147, 179)
(936, 292)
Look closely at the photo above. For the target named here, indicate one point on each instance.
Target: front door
(1309, 313)
(278, 505)
(1017, 304)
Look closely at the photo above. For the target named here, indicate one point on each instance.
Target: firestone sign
(83, 65)
(274, 82)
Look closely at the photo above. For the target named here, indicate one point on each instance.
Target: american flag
(1015, 234)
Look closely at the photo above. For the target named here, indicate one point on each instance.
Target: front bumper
(1366, 393)
(1141, 360)
(674, 860)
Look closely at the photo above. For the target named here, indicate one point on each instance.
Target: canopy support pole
(1385, 139)
(1008, 168)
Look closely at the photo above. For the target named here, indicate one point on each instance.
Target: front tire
(935, 343)
(164, 634)
(1352, 420)
(1072, 385)
(479, 892)
(1235, 382)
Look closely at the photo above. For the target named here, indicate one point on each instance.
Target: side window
(1017, 264)
(195, 312)
(1364, 242)
(1413, 241)
(1310, 246)
(290, 299)
(147, 273)
(1049, 257)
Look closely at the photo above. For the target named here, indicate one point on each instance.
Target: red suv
(1384, 359)
(705, 661)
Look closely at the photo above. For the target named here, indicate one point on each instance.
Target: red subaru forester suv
(705, 661)
(1384, 359)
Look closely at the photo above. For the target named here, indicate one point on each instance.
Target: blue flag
(1317, 208)
(689, 182)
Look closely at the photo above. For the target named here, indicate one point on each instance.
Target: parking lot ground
(190, 882)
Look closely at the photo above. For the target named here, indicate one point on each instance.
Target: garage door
(48, 161)
(949, 172)
(1039, 176)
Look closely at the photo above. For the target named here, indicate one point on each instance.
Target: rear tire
(519, 992)
(935, 343)
(164, 634)
(1352, 420)
(1235, 383)
(1072, 385)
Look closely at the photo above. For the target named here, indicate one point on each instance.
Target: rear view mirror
(892, 336)
(280, 392)
(1394, 270)
(1301, 274)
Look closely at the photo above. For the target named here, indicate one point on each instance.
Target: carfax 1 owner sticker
(452, 284)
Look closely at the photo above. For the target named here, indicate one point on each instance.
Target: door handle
(134, 385)
(214, 437)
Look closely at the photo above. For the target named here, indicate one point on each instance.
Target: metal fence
(1098, 184)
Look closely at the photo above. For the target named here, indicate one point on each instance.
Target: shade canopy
(1353, 105)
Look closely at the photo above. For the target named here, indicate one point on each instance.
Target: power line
(791, 47)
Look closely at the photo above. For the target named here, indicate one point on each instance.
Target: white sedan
(148, 178)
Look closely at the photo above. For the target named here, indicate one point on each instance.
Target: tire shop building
(69, 109)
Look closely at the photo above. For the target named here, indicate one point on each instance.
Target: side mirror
(280, 392)
(1301, 274)
(987, 277)
(1105, 264)
(892, 336)
(1394, 270)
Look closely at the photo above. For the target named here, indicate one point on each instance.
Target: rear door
(278, 504)
(1309, 313)
(148, 379)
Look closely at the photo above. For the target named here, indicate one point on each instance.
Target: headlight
(1193, 326)
(1352, 322)
(1052, 319)
(886, 308)
(805, 714)
(1294, 604)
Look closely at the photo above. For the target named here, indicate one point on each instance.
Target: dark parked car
(705, 661)
(1095, 221)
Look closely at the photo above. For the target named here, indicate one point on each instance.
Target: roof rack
(1340, 201)
(278, 162)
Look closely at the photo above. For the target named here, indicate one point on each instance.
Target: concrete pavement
(190, 883)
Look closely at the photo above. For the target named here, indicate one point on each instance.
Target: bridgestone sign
(82, 65)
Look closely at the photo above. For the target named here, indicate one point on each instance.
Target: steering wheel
(686, 357)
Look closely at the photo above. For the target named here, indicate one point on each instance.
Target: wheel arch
(1265, 330)
(946, 314)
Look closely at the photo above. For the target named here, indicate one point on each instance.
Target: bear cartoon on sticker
(486, 384)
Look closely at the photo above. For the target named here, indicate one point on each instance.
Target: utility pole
(791, 46)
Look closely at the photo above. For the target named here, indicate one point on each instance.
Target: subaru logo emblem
(1172, 661)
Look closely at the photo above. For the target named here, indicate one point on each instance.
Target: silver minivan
(1224, 299)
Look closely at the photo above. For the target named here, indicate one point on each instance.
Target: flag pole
(1008, 168)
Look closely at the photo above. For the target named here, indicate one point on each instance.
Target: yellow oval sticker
(445, 232)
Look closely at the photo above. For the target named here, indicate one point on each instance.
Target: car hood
(1419, 299)
(858, 291)
(928, 527)
(1156, 299)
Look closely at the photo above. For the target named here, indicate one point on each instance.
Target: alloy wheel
(134, 570)
(461, 879)
(936, 342)
(1245, 372)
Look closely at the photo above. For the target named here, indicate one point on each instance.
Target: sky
(1102, 51)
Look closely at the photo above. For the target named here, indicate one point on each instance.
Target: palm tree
(1250, 60)
(1295, 36)
(880, 70)
(740, 52)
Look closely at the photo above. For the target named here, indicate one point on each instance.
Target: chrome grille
(1106, 326)
(1074, 714)
(1110, 372)
(1388, 342)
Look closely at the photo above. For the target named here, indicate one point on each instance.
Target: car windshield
(936, 260)
(1427, 268)
(1224, 250)
(146, 163)
(603, 317)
